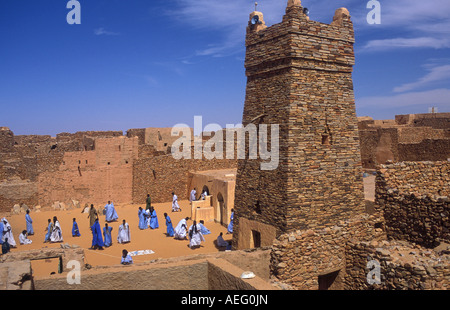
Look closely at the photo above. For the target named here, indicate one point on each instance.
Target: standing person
(92, 215)
(7, 233)
(175, 206)
(75, 230)
(170, 231)
(23, 238)
(97, 240)
(147, 218)
(153, 219)
(107, 235)
(148, 202)
(126, 258)
(29, 221)
(48, 230)
(1, 232)
(195, 236)
(204, 194)
(181, 229)
(230, 226)
(192, 196)
(56, 235)
(142, 219)
(110, 212)
(124, 235)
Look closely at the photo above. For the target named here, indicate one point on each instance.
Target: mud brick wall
(299, 258)
(414, 199)
(161, 175)
(299, 77)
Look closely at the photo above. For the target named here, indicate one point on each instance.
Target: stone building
(299, 75)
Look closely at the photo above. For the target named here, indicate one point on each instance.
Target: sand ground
(148, 239)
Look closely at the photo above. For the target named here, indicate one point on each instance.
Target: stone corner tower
(299, 76)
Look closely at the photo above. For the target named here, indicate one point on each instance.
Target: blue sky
(136, 63)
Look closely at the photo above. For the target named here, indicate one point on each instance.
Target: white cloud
(101, 31)
(437, 98)
(436, 74)
(396, 43)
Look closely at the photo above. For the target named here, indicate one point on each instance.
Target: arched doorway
(222, 209)
(205, 188)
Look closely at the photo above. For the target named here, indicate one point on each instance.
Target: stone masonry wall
(299, 258)
(413, 197)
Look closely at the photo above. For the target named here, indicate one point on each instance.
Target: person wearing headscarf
(181, 229)
(7, 233)
(195, 236)
(175, 205)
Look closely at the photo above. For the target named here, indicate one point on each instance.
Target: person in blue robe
(153, 219)
(49, 231)
(107, 235)
(126, 258)
(1, 232)
(142, 219)
(230, 226)
(75, 230)
(110, 212)
(203, 229)
(170, 231)
(97, 240)
(29, 221)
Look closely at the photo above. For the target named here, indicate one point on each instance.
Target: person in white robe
(147, 218)
(124, 235)
(175, 206)
(56, 235)
(7, 233)
(192, 196)
(110, 212)
(204, 194)
(195, 236)
(181, 229)
(23, 238)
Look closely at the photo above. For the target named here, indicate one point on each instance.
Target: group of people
(102, 237)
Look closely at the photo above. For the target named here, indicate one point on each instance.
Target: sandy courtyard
(148, 239)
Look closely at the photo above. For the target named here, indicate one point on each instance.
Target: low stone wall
(298, 259)
(413, 198)
(402, 266)
(216, 271)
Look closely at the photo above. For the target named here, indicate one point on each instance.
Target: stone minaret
(299, 75)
